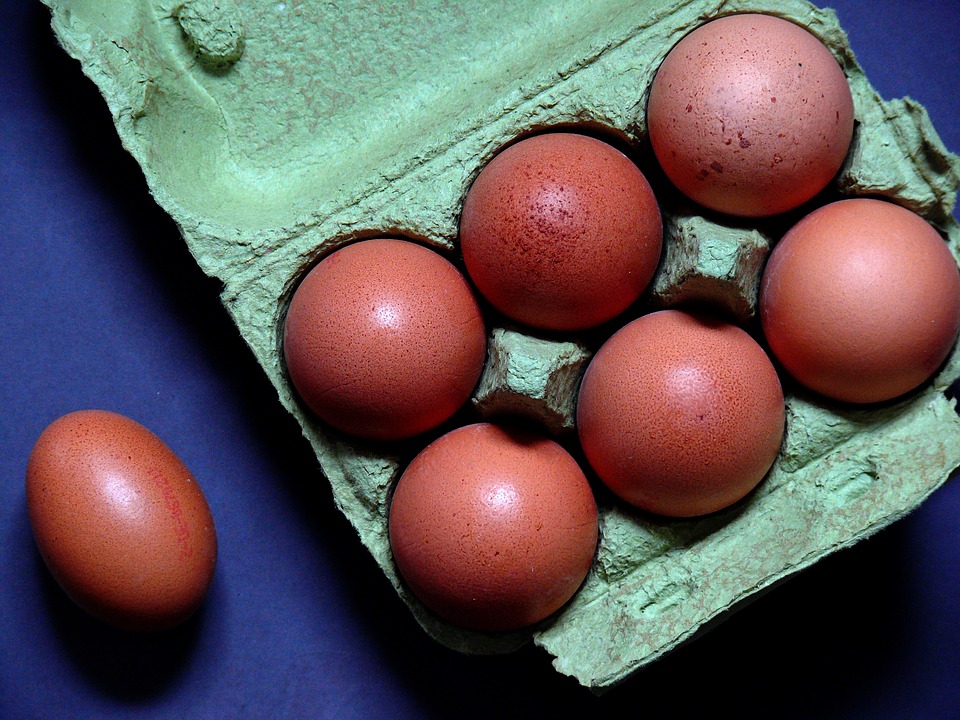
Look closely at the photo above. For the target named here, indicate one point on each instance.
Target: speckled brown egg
(121, 523)
(680, 414)
(750, 115)
(860, 300)
(493, 528)
(384, 339)
(561, 231)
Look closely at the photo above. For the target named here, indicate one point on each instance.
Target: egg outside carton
(842, 473)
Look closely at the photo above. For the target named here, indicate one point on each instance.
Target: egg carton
(275, 132)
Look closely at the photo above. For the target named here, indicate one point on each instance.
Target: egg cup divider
(274, 133)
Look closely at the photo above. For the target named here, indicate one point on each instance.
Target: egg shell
(493, 528)
(561, 231)
(681, 414)
(860, 300)
(750, 115)
(384, 339)
(120, 521)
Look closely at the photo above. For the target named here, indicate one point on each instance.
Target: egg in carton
(276, 133)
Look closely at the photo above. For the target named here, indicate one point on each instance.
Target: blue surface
(102, 306)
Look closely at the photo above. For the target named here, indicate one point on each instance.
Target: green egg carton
(273, 132)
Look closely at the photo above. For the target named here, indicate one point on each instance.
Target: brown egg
(119, 520)
(750, 115)
(384, 339)
(860, 300)
(493, 528)
(561, 231)
(680, 414)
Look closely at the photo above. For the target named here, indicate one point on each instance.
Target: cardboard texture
(274, 132)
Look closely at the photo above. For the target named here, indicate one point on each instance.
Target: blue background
(102, 306)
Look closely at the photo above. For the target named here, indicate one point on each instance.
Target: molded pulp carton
(273, 132)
